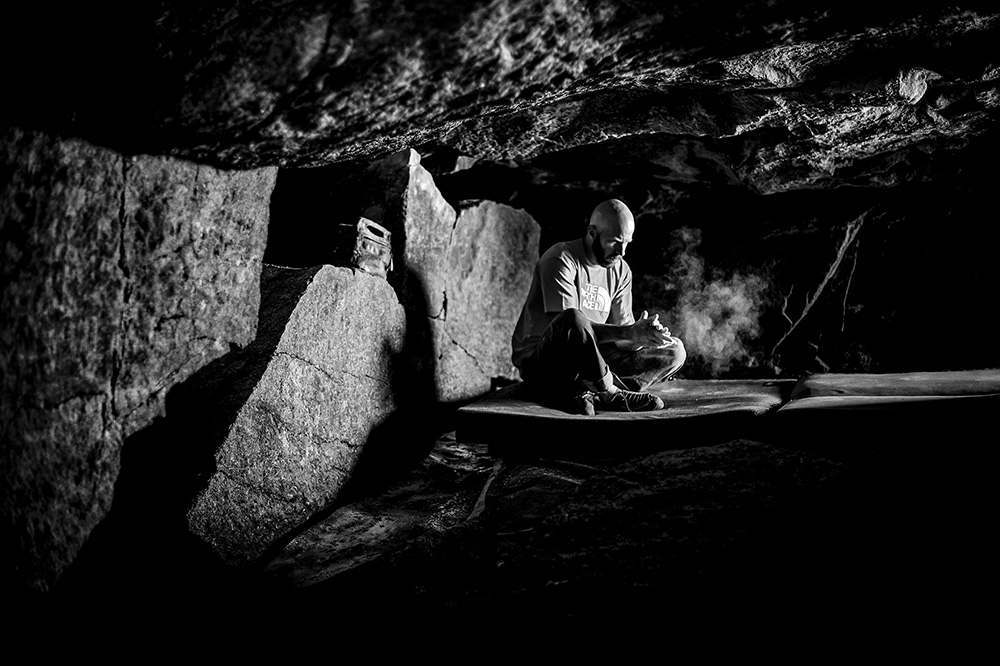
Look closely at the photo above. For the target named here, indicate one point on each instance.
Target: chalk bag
(367, 246)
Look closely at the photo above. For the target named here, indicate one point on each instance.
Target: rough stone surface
(291, 413)
(461, 276)
(307, 83)
(493, 250)
(120, 277)
(768, 126)
(438, 495)
(811, 178)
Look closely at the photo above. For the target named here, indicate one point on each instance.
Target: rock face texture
(121, 276)
(461, 276)
(809, 181)
(757, 132)
(292, 412)
(488, 272)
(806, 89)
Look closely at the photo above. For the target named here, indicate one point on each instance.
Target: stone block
(121, 276)
(490, 261)
(461, 277)
(294, 409)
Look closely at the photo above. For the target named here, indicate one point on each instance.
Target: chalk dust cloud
(716, 315)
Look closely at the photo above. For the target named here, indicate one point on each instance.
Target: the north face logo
(597, 298)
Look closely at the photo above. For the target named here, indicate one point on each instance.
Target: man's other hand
(649, 332)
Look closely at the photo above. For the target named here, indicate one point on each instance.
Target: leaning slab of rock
(120, 277)
(493, 250)
(461, 277)
(293, 411)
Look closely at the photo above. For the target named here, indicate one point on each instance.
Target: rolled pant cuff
(606, 383)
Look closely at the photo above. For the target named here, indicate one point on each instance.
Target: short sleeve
(558, 283)
(621, 302)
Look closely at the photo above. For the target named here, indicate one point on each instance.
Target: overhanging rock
(291, 413)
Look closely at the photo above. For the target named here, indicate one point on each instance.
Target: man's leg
(567, 362)
(641, 369)
(568, 370)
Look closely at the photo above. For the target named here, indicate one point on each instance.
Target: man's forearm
(621, 334)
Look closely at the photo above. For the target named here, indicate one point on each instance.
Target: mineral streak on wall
(121, 276)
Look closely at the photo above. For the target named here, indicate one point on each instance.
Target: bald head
(613, 217)
(610, 231)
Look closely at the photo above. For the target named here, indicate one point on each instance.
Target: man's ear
(592, 231)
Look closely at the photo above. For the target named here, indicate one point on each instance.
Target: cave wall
(809, 181)
(136, 287)
(786, 282)
(122, 275)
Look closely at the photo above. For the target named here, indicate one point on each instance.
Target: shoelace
(628, 398)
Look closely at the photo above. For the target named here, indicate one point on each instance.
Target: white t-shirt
(564, 278)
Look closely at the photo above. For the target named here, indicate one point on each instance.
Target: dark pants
(568, 361)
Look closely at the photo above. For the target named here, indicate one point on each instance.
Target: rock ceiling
(771, 96)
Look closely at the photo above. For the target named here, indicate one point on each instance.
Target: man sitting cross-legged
(577, 344)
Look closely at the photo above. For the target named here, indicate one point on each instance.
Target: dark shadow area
(885, 539)
(141, 565)
(406, 437)
(912, 539)
(398, 444)
(307, 206)
(142, 557)
(62, 83)
(305, 214)
(919, 264)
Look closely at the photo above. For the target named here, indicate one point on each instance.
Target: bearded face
(607, 252)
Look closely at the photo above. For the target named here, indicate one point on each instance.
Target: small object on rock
(365, 245)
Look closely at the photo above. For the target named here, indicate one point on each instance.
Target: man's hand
(649, 332)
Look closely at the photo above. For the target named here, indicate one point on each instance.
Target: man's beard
(602, 257)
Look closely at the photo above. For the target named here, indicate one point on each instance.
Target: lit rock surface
(461, 276)
(488, 272)
(294, 409)
(121, 277)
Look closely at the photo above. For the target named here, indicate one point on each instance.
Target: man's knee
(680, 353)
(572, 323)
(571, 317)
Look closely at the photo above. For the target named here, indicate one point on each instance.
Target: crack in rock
(469, 354)
(330, 374)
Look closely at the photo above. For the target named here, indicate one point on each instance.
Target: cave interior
(811, 188)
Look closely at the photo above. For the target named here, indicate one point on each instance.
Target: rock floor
(741, 533)
(818, 537)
